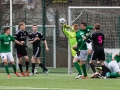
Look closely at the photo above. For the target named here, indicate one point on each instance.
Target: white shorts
(89, 45)
(113, 66)
(83, 55)
(7, 56)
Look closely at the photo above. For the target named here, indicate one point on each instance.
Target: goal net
(108, 17)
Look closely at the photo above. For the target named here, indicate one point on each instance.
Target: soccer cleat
(107, 74)
(8, 76)
(23, 74)
(31, 74)
(103, 77)
(94, 75)
(27, 73)
(47, 72)
(17, 74)
(79, 77)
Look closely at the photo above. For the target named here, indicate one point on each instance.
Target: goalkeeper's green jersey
(5, 43)
(87, 30)
(80, 42)
(71, 39)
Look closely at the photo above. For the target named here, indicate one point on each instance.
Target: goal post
(108, 17)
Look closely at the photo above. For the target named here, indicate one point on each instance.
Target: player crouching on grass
(82, 53)
(35, 40)
(5, 51)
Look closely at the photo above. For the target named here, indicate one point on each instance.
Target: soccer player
(35, 40)
(98, 39)
(5, 51)
(82, 53)
(112, 65)
(21, 35)
(71, 35)
(86, 29)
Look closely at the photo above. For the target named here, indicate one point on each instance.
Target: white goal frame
(69, 22)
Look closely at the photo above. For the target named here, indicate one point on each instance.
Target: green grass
(56, 82)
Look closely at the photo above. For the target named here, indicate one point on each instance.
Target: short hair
(75, 25)
(84, 23)
(21, 23)
(97, 26)
(34, 24)
(6, 29)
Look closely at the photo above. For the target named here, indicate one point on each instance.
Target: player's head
(22, 26)
(7, 30)
(97, 26)
(76, 27)
(83, 25)
(34, 28)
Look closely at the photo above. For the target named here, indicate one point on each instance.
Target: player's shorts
(36, 52)
(89, 45)
(98, 54)
(7, 56)
(83, 55)
(113, 66)
(21, 52)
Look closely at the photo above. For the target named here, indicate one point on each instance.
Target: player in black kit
(98, 40)
(21, 35)
(35, 40)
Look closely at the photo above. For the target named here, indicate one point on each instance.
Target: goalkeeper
(71, 37)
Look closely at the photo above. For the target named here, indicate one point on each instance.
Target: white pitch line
(29, 88)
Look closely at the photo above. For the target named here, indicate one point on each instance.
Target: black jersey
(33, 36)
(20, 35)
(97, 39)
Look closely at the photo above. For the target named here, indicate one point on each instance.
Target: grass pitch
(56, 82)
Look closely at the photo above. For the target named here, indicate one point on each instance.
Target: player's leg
(24, 53)
(19, 55)
(4, 59)
(11, 59)
(33, 59)
(75, 61)
(83, 58)
(102, 58)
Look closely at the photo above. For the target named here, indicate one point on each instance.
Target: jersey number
(100, 39)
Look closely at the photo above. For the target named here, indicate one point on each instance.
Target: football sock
(92, 67)
(20, 67)
(114, 75)
(43, 67)
(33, 67)
(7, 69)
(88, 59)
(104, 70)
(14, 68)
(27, 65)
(84, 69)
(78, 68)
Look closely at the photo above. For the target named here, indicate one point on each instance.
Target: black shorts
(21, 52)
(36, 52)
(98, 54)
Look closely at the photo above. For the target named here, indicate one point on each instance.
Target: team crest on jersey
(8, 38)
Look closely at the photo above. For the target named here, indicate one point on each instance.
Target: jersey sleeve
(66, 32)
(103, 39)
(12, 38)
(90, 27)
(41, 37)
(30, 37)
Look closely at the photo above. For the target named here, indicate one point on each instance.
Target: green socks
(78, 68)
(14, 68)
(7, 69)
(84, 70)
(114, 75)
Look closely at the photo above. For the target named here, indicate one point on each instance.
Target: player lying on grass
(81, 54)
(97, 39)
(35, 40)
(5, 51)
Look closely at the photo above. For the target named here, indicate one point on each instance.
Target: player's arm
(16, 41)
(88, 40)
(65, 31)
